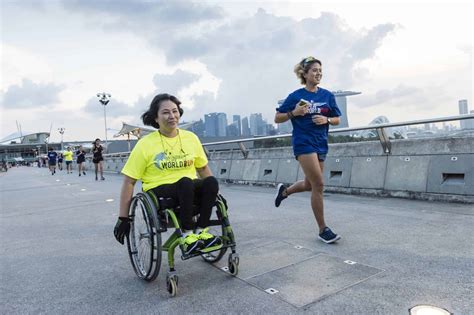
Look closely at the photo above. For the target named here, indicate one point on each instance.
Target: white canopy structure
(132, 130)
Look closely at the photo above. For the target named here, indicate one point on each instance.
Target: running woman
(311, 110)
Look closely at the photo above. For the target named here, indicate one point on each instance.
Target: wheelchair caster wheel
(172, 285)
(233, 269)
(233, 264)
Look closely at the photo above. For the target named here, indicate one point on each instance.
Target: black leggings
(188, 192)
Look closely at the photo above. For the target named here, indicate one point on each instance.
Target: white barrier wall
(435, 169)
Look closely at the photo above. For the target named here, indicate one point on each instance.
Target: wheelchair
(152, 216)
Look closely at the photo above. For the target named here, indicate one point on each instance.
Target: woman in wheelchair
(166, 162)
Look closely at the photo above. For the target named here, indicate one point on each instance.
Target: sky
(411, 60)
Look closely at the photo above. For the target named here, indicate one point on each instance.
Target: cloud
(204, 103)
(400, 94)
(159, 20)
(252, 56)
(172, 83)
(29, 94)
(115, 108)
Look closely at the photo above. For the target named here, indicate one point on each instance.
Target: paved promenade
(58, 254)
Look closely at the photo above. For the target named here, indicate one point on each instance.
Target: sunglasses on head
(307, 60)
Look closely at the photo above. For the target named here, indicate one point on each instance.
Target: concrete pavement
(58, 254)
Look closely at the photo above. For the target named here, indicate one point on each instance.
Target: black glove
(122, 229)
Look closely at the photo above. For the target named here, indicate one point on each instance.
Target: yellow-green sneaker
(210, 242)
(191, 243)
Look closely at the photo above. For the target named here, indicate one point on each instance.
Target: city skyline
(225, 57)
(257, 126)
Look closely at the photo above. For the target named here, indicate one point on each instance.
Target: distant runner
(68, 158)
(80, 159)
(52, 156)
(98, 159)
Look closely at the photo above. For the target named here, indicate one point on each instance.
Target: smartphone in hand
(303, 102)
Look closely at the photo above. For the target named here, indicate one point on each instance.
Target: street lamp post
(61, 131)
(39, 155)
(104, 99)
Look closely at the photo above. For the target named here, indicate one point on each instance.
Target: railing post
(243, 149)
(384, 140)
(207, 152)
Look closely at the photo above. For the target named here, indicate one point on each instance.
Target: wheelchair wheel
(233, 264)
(172, 284)
(144, 241)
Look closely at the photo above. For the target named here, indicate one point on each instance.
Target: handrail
(387, 125)
(379, 127)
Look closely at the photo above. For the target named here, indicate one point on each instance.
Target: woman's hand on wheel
(122, 229)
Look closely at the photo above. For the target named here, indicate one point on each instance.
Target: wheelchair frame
(145, 245)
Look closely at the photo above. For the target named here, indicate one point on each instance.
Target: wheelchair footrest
(199, 253)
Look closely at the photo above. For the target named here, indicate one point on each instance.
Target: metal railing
(380, 128)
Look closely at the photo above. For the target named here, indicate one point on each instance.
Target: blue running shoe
(279, 195)
(328, 236)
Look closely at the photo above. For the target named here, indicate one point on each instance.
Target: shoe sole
(337, 238)
(278, 193)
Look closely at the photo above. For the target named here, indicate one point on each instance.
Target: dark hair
(149, 117)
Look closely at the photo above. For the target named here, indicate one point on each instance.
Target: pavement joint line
(246, 280)
(340, 290)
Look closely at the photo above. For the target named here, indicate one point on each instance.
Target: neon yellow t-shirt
(67, 155)
(158, 160)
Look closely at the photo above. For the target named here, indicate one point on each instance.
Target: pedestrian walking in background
(60, 161)
(68, 159)
(80, 160)
(52, 157)
(98, 159)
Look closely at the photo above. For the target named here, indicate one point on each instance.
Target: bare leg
(313, 170)
(101, 168)
(299, 186)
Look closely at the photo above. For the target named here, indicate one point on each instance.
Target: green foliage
(273, 143)
(347, 138)
(286, 142)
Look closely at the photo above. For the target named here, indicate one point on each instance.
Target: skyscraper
(285, 127)
(215, 124)
(463, 110)
(210, 125)
(245, 127)
(221, 125)
(236, 121)
(257, 126)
